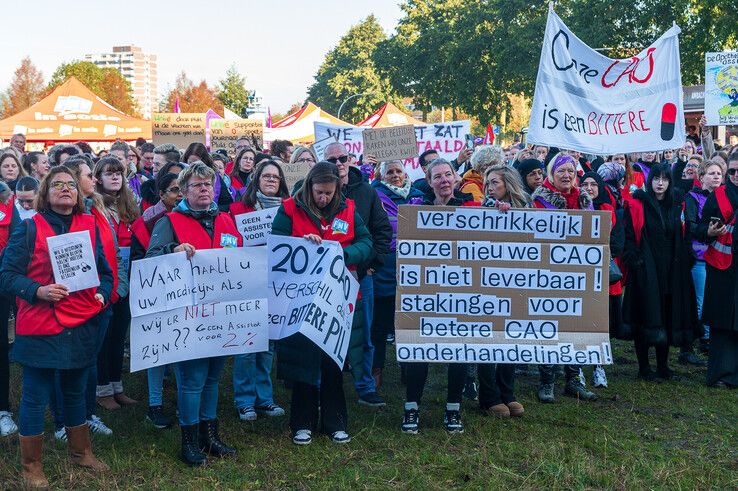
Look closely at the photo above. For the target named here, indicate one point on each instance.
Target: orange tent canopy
(389, 115)
(72, 112)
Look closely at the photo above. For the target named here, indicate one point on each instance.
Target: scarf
(403, 192)
(263, 201)
(572, 197)
(183, 207)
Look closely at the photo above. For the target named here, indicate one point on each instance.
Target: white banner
(73, 260)
(255, 226)
(311, 292)
(721, 88)
(213, 304)
(445, 138)
(587, 102)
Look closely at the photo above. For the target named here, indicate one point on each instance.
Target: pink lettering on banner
(630, 70)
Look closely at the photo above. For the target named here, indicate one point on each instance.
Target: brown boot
(33, 471)
(377, 374)
(80, 449)
(108, 402)
(124, 400)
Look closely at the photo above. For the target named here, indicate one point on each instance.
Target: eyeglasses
(306, 160)
(59, 185)
(201, 185)
(174, 190)
(270, 177)
(334, 160)
(732, 172)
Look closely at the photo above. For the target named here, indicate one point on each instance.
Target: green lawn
(675, 435)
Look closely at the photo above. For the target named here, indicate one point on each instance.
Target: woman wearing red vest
(659, 301)
(318, 381)
(195, 223)
(121, 207)
(717, 229)
(252, 381)
(55, 329)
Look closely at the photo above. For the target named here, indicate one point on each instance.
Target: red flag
(490, 136)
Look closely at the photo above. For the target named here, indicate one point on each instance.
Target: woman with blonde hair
(472, 182)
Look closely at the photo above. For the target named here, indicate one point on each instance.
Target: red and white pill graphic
(668, 119)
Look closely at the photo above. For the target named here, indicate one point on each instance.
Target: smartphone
(716, 221)
(469, 142)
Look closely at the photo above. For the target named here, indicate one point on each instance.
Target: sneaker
(372, 399)
(578, 391)
(61, 434)
(470, 390)
(98, 427)
(689, 358)
(546, 393)
(390, 338)
(599, 379)
(410, 421)
(157, 417)
(247, 413)
(582, 378)
(7, 425)
(272, 410)
(340, 437)
(303, 437)
(452, 421)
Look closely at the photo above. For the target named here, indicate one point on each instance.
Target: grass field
(673, 435)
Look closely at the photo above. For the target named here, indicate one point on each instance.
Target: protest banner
(319, 146)
(445, 138)
(311, 292)
(391, 143)
(180, 129)
(73, 260)
(587, 102)
(721, 88)
(213, 304)
(256, 226)
(294, 172)
(225, 132)
(475, 285)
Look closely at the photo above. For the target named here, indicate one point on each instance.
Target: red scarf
(572, 197)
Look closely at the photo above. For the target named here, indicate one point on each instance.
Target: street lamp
(351, 97)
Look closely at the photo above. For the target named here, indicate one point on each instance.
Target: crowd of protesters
(673, 216)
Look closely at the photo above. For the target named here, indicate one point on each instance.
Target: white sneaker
(97, 426)
(7, 425)
(582, 378)
(340, 437)
(61, 434)
(303, 437)
(599, 379)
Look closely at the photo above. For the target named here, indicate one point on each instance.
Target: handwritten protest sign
(445, 138)
(180, 129)
(73, 260)
(475, 285)
(587, 102)
(256, 226)
(721, 88)
(225, 132)
(191, 308)
(294, 172)
(311, 292)
(392, 143)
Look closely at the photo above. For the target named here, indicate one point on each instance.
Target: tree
(106, 83)
(193, 98)
(348, 69)
(296, 106)
(26, 88)
(232, 92)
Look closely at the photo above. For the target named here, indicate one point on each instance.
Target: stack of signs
(721, 88)
(180, 129)
(225, 132)
(475, 285)
(213, 304)
(311, 292)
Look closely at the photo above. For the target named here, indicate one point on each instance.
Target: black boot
(210, 441)
(191, 454)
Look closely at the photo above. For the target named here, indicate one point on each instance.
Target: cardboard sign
(73, 261)
(209, 305)
(225, 132)
(721, 88)
(311, 292)
(256, 226)
(587, 102)
(475, 285)
(293, 173)
(393, 143)
(445, 138)
(180, 129)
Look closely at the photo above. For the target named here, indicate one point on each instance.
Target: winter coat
(422, 185)
(472, 182)
(694, 203)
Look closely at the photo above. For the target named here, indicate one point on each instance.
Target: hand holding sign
(73, 261)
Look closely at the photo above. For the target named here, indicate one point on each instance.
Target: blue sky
(277, 45)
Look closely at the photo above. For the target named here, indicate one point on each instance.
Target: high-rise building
(139, 69)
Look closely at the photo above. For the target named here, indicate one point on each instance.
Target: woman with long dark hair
(222, 193)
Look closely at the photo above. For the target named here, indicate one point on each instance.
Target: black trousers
(416, 375)
(307, 398)
(110, 358)
(383, 323)
(496, 384)
(5, 307)
(641, 348)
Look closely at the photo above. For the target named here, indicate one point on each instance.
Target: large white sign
(73, 260)
(721, 88)
(255, 226)
(213, 304)
(587, 102)
(311, 292)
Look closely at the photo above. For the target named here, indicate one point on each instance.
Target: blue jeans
(252, 381)
(155, 377)
(198, 389)
(699, 275)
(38, 385)
(366, 384)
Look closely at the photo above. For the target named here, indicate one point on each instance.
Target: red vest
(188, 230)
(340, 229)
(138, 228)
(108, 244)
(6, 215)
(45, 318)
(123, 232)
(719, 253)
(238, 208)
